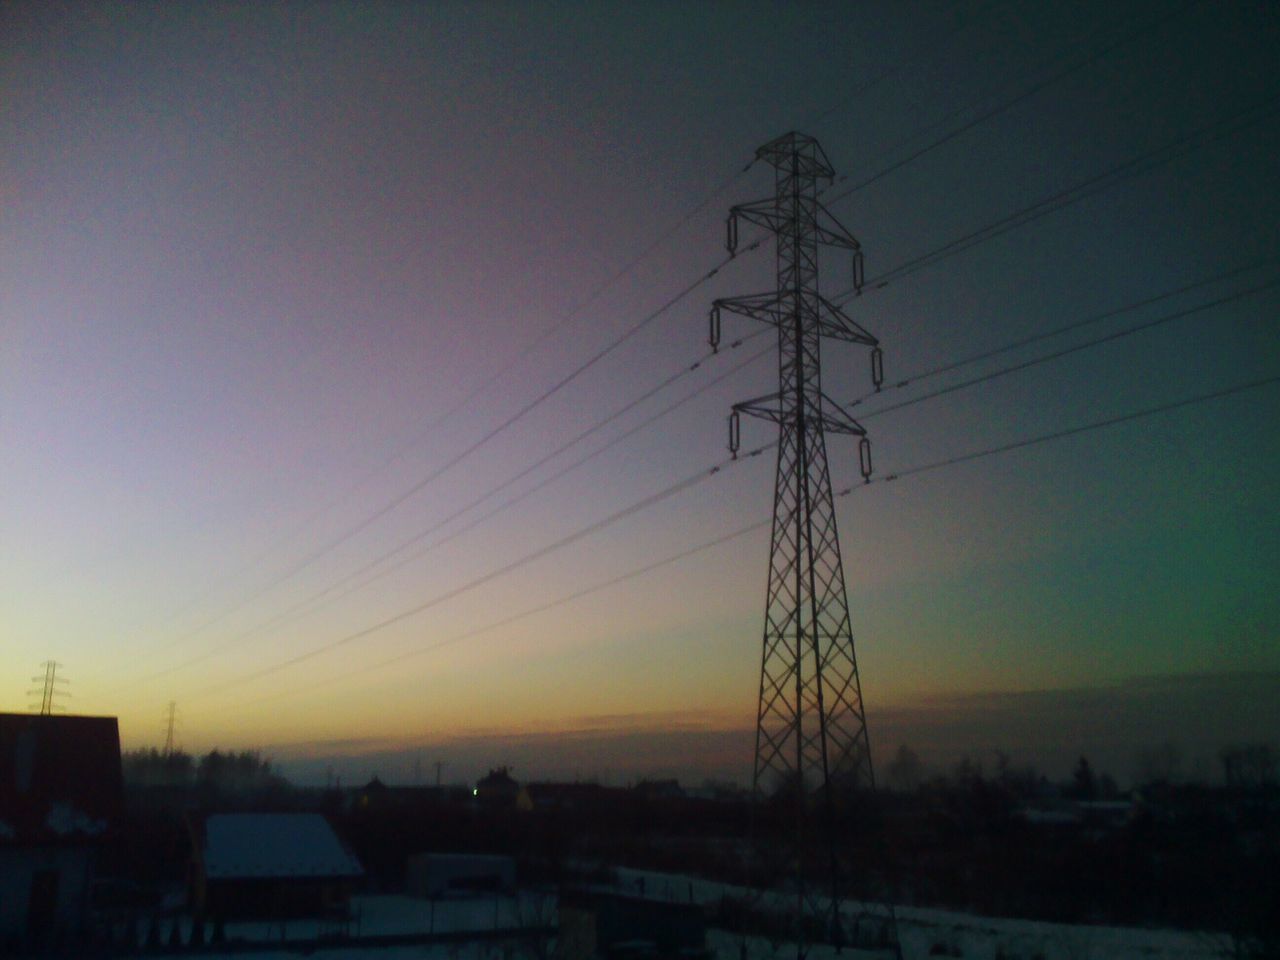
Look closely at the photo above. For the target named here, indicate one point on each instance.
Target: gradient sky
(250, 254)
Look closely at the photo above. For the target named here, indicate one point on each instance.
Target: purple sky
(250, 256)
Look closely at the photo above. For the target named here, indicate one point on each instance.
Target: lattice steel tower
(171, 716)
(51, 689)
(811, 735)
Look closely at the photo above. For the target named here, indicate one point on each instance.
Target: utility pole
(49, 690)
(439, 765)
(812, 748)
(170, 716)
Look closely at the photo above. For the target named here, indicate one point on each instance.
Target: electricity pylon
(50, 689)
(811, 735)
(171, 715)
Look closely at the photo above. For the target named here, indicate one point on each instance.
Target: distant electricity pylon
(171, 715)
(50, 689)
(811, 735)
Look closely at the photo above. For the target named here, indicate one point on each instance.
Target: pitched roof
(279, 845)
(59, 777)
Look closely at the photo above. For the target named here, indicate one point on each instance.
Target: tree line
(230, 771)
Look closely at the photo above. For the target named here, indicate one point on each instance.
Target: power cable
(481, 388)
(952, 388)
(1049, 81)
(1144, 163)
(751, 528)
(306, 561)
(1073, 431)
(1065, 328)
(563, 471)
(1075, 348)
(524, 614)
(435, 474)
(370, 519)
(369, 570)
(691, 481)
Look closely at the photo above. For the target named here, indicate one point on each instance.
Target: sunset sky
(265, 269)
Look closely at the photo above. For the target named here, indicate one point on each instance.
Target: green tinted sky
(250, 255)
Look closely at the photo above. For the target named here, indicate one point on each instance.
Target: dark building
(501, 791)
(576, 796)
(60, 795)
(377, 797)
(270, 866)
(604, 924)
(656, 791)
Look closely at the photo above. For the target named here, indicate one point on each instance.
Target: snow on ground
(463, 951)
(394, 915)
(926, 932)
(383, 916)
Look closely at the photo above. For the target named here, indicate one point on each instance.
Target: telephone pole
(50, 689)
(812, 748)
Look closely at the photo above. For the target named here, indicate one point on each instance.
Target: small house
(501, 791)
(270, 866)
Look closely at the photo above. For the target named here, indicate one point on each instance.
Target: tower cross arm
(835, 323)
(799, 152)
(757, 306)
(827, 230)
(831, 232)
(832, 417)
(768, 407)
(836, 420)
(763, 213)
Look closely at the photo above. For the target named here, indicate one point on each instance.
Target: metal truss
(811, 736)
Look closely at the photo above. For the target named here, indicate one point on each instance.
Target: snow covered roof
(240, 845)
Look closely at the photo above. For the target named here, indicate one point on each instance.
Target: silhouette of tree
(1084, 785)
(1249, 765)
(905, 771)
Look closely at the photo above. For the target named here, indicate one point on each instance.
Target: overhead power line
(1129, 331)
(987, 354)
(371, 518)
(567, 317)
(1075, 348)
(689, 482)
(894, 476)
(306, 561)
(1073, 431)
(1197, 139)
(479, 390)
(937, 393)
(370, 572)
(1056, 77)
(524, 614)
(487, 384)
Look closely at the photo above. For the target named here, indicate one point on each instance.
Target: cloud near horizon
(1115, 725)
